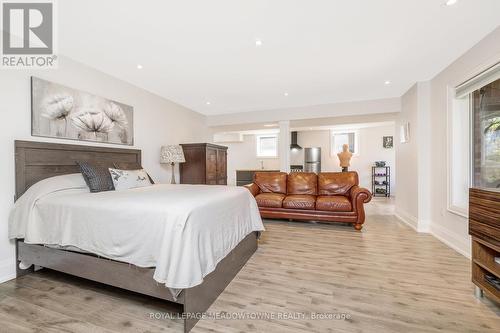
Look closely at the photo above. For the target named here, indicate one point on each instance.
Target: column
(284, 145)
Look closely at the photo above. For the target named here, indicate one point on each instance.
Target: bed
(186, 253)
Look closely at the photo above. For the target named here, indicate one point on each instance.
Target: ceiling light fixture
(258, 42)
(286, 94)
(208, 103)
(451, 2)
(270, 125)
(387, 82)
(139, 66)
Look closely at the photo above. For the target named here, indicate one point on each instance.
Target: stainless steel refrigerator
(312, 159)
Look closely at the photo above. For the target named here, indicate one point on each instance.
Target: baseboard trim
(424, 226)
(7, 270)
(408, 219)
(452, 240)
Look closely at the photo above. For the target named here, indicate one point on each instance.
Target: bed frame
(39, 160)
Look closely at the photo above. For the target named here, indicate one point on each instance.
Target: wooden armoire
(206, 163)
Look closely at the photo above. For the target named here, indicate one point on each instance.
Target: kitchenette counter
(245, 176)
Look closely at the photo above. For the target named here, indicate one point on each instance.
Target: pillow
(131, 166)
(125, 179)
(97, 178)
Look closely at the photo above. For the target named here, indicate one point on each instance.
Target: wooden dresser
(484, 227)
(206, 163)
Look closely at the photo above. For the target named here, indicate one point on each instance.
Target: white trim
(452, 240)
(420, 226)
(424, 226)
(458, 211)
(7, 270)
(408, 219)
(450, 108)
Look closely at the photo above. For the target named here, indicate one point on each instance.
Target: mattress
(183, 231)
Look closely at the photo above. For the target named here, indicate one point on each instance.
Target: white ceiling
(319, 51)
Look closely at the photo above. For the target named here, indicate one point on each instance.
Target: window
(267, 145)
(473, 137)
(486, 136)
(340, 138)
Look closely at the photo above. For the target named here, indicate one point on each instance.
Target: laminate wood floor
(386, 278)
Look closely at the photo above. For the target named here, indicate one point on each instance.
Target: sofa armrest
(359, 194)
(253, 188)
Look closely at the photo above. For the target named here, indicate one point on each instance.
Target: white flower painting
(66, 113)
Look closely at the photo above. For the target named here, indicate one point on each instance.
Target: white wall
(243, 156)
(355, 108)
(449, 227)
(407, 159)
(422, 163)
(370, 150)
(156, 122)
(413, 157)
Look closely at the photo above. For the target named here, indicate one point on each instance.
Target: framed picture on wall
(61, 112)
(388, 141)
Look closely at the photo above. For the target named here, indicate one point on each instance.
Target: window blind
(478, 81)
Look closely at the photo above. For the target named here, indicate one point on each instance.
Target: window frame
(450, 155)
(344, 131)
(490, 72)
(258, 152)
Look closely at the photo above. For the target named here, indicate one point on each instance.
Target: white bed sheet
(181, 230)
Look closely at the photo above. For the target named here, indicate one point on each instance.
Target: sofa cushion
(299, 201)
(336, 183)
(302, 183)
(336, 203)
(271, 182)
(273, 200)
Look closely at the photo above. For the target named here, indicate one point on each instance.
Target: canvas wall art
(387, 142)
(58, 111)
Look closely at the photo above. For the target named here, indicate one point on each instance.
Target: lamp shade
(172, 154)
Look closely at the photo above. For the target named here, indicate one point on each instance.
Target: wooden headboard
(39, 160)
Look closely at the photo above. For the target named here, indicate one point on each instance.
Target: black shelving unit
(381, 179)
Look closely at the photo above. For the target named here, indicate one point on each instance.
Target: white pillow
(125, 179)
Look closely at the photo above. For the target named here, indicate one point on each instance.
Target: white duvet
(181, 230)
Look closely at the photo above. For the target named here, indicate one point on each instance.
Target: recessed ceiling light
(387, 82)
(286, 94)
(258, 42)
(270, 125)
(208, 103)
(451, 2)
(139, 66)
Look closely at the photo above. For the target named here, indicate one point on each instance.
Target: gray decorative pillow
(125, 179)
(97, 178)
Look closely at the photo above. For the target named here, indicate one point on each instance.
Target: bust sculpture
(345, 157)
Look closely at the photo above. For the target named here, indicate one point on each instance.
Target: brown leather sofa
(326, 197)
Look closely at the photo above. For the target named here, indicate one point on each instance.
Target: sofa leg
(358, 226)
